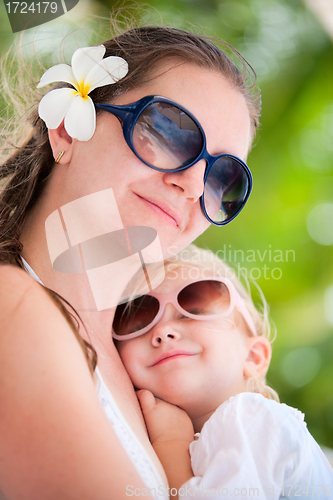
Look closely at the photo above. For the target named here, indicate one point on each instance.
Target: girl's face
(166, 201)
(194, 364)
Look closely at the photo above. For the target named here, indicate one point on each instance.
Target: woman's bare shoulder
(17, 288)
(27, 309)
(9, 274)
(14, 279)
(54, 433)
(35, 336)
(15, 284)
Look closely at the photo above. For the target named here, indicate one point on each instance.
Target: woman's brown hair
(24, 174)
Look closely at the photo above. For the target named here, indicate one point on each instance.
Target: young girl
(199, 344)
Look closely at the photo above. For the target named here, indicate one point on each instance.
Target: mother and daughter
(149, 131)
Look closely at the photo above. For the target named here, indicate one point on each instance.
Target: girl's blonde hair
(196, 258)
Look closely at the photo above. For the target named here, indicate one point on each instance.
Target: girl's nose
(164, 333)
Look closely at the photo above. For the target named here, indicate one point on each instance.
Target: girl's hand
(171, 432)
(164, 421)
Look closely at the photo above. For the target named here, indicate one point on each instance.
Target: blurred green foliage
(292, 165)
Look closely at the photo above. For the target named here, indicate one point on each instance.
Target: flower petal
(80, 119)
(54, 105)
(58, 73)
(108, 71)
(84, 59)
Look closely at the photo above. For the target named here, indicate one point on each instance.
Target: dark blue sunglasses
(168, 138)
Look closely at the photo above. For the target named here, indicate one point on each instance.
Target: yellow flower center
(83, 90)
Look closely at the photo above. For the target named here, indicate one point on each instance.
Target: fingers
(147, 400)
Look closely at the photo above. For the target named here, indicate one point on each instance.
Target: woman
(61, 220)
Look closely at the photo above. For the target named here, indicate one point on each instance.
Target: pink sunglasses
(201, 299)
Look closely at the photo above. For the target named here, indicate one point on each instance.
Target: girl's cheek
(129, 353)
(124, 351)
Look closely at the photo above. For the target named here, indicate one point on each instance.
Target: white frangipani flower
(88, 71)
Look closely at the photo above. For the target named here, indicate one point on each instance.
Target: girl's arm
(56, 442)
(171, 432)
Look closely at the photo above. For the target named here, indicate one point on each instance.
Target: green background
(291, 162)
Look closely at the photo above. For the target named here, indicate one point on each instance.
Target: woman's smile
(164, 211)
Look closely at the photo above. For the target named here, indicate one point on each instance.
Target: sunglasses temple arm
(121, 112)
(246, 315)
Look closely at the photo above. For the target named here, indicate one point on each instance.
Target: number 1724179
(32, 7)
(296, 490)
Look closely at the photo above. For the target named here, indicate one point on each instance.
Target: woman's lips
(167, 356)
(169, 214)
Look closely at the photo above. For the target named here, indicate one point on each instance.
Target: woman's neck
(74, 287)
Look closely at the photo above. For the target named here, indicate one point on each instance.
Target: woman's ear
(259, 356)
(61, 141)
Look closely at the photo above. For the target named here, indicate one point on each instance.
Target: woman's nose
(164, 333)
(190, 181)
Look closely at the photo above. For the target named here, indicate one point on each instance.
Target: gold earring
(58, 158)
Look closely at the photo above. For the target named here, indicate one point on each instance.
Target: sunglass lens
(226, 189)
(135, 315)
(204, 298)
(166, 137)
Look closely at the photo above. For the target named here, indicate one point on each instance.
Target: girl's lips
(163, 210)
(167, 356)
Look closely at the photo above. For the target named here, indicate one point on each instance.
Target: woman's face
(166, 201)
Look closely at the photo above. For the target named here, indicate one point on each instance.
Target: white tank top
(133, 447)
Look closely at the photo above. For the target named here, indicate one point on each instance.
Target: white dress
(131, 444)
(252, 447)
(142, 462)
